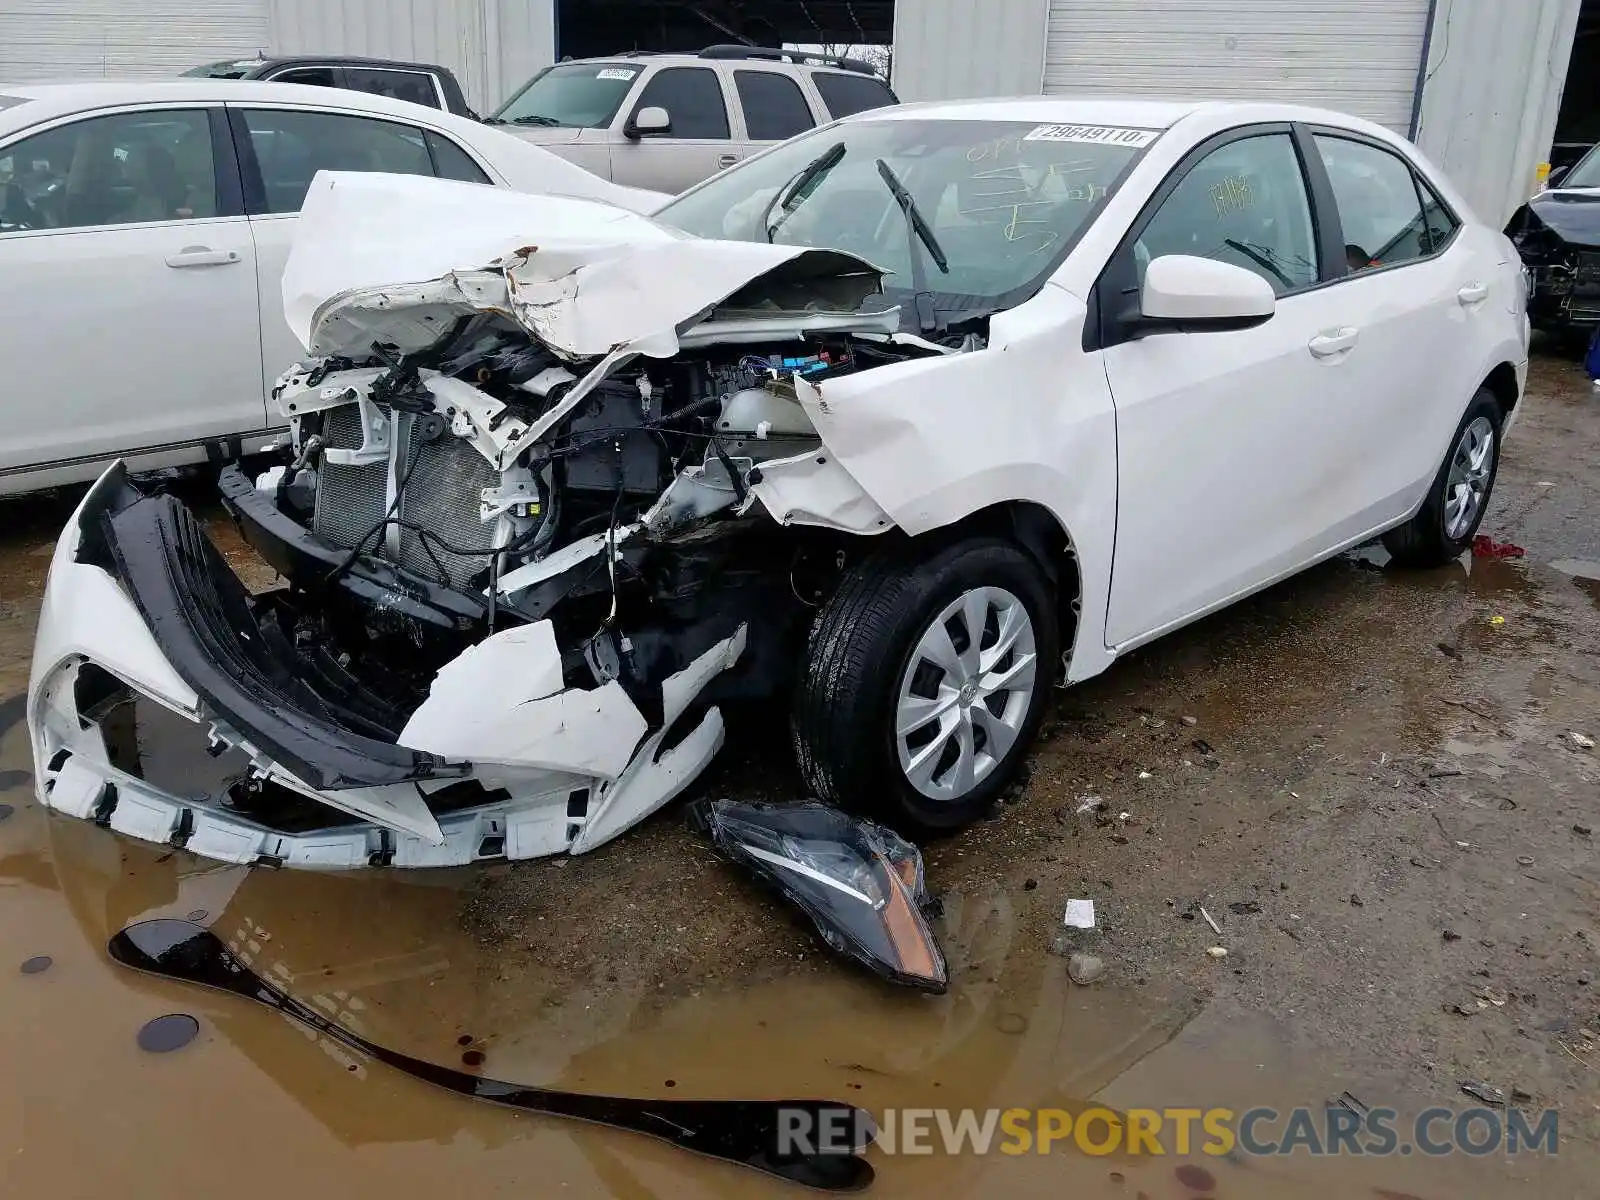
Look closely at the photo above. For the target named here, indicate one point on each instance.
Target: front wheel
(924, 683)
(1449, 518)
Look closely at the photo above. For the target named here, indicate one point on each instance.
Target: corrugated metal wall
(945, 49)
(80, 39)
(1493, 92)
(1356, 56)
(493, 46)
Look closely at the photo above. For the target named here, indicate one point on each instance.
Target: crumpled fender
(933, 440)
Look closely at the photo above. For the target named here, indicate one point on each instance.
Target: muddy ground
(1365, 777)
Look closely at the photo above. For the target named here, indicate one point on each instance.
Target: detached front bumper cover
(137, 590)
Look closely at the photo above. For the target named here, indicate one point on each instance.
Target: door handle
(1340, 341)
(1473, 293)
(202, 256)
(724, 161)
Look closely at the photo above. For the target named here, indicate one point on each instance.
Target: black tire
(1424, 541)
(860, 649)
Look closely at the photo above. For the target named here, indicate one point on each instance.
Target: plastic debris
(1218, 952)
(1080, 914)
(861, 884)
(1581, 740)
(1497, 620)
(1484, 546)
(1486, 1092)
(1215, 928)
(751, 1133)
(1084, 969)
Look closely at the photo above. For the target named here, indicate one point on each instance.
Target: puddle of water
(386, 955)
(1585, 574)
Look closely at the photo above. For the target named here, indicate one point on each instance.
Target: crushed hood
(391, 258)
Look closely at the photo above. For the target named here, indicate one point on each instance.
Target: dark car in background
(417, 83)
(1558, 235)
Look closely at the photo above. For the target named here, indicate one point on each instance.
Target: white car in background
(905, 420)
(143, 232)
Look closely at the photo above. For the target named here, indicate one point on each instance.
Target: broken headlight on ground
(860, 883)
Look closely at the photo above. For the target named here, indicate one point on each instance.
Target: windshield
(1586, 174)
(574, 95)
(1000, 201)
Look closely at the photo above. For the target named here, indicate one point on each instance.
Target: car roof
(345, 60)
(1122, 111)
(681, 58)
(48, 100)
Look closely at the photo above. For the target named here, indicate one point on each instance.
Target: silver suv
(667, 121)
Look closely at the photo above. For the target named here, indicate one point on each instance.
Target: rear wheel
(1449, 518)
(924, 683)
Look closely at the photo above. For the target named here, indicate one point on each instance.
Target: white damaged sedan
(903, 421)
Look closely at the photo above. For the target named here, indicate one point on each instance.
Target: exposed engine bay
(632, 510)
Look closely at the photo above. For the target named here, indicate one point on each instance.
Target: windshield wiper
(919, 224)
(791, 197)
(917, 229)
(530, 119)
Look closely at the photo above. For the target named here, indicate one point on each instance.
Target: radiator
(442, 496)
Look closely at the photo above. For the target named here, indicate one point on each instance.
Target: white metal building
(491, 45)
(1476, 83)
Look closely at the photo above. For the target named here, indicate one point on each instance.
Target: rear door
(129, 283)
(1423, 293)
(281, 150)
(699, 143)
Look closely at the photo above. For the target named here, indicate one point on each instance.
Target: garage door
(1356, 56)
(43, 40)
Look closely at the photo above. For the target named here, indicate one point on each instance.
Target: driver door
(1229, 475)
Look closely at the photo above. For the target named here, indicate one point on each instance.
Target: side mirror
(1182, 293)
(647, 121)
(1556, 176)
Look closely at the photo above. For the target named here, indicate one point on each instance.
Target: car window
(120, 169)
(415, 87)
(692, 97)
(1379, 206)
(571, 95)
(774, 107)
(450, 161)
(847, 94)
(291, 147)
(307, 76)
(1441, 223)
(1246, 204)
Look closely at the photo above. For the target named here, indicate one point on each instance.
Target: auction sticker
(615, 73)
(1097, 135)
